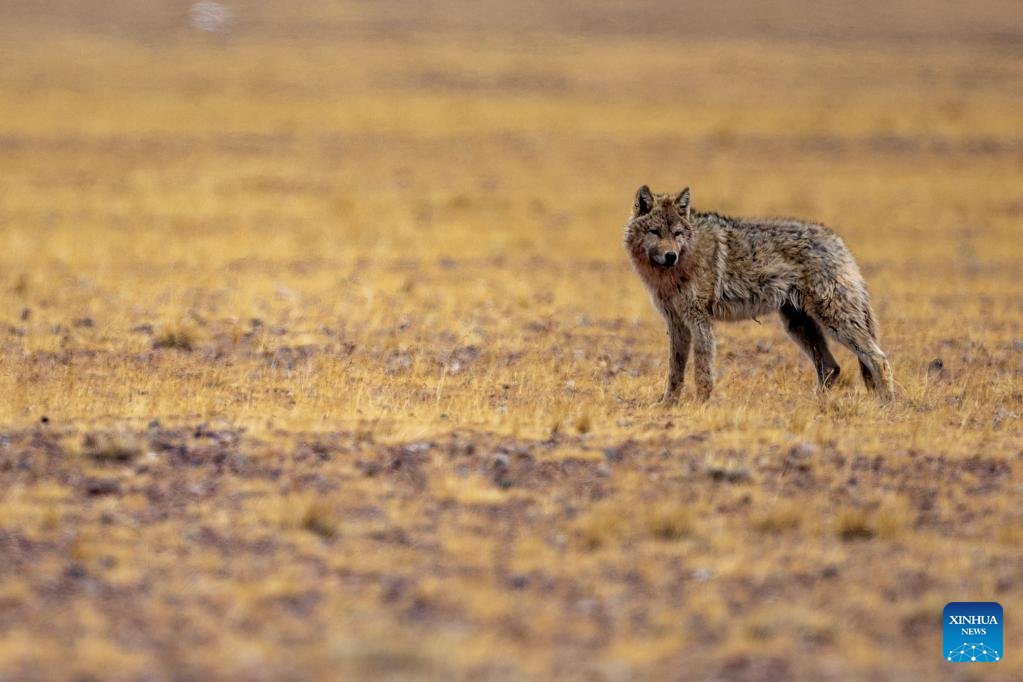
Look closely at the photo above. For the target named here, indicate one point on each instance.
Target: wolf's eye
(653, 232)
(677, 235)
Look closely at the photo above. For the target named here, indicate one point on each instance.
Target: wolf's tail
(870, 321)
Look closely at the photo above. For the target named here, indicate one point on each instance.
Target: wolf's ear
(682, 203)
(644, 201)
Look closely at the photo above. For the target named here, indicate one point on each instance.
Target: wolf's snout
(665, 259)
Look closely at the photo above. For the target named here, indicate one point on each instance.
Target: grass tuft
(180, 337)
(320, 520)
(669, 521)
(854, 524)
(116, 448)
(783, 517)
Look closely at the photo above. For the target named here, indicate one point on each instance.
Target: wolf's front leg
(703, 356)
(679, 341)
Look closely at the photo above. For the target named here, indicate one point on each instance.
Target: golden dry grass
(320, 355)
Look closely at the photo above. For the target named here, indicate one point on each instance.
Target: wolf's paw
(665, 401)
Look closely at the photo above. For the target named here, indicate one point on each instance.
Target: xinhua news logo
(973, 631)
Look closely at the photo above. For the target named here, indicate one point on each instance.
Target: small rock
(1003, 414)
(416, 448)
(702, 575)
(518, 582)
(936, 367)
(238, 462)
(728, 474)
(802, 451)
(83, 322)
(614, 454)
(102, 486)
(460, 358)
(369, 469)
(393, 588)
(75, 571)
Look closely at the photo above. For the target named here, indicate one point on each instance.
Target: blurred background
(320, 354)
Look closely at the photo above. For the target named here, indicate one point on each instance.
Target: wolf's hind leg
(808, 335)
(874, 364)
(877, 373)
(868, 377)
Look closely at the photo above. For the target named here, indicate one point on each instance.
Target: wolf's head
(659, 230)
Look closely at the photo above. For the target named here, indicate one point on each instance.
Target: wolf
(701, 267)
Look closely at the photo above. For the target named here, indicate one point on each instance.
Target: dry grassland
(320, 356)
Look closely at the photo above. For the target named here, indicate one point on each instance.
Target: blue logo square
(973, 631)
